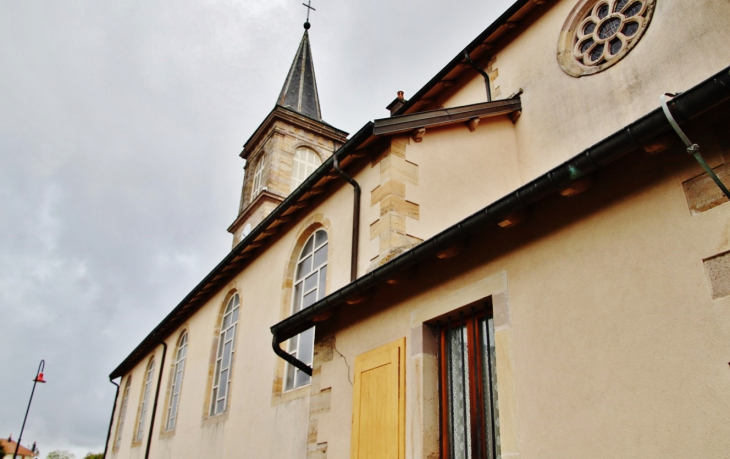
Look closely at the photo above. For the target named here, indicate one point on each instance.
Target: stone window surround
(306, 229)
(422, 367)
(577, 16)
(207, 418)
(164, 433)
(122, 413)
(138, 417)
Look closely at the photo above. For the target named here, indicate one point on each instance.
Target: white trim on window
(305, 162)
(224, 357)
(309, 287)
(177, 375)
(122, 414)
(258, 182)
(145, 401)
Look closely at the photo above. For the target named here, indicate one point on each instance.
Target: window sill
(216, 419)
(288, 396)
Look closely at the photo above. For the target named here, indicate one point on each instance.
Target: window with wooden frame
(122, 414)
(309, 287)
(224, 357)
(145, 402)
(469, 413)
(182, 350)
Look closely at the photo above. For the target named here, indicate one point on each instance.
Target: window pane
(226, 321)
(293, 344)
(220, 406)
(489, 382)
(320, 237)
(310, 282)
(306, 344)
(320, 257)
(322, 280)
(308, 247)
(302, 379)
(459, 414)
(212, 402)
(224, 384)
(289, 378)
(217, 373)
(234, 316)
(310, 299)
(304, 268)
(227, 354)
(297, 298)
(173, 412)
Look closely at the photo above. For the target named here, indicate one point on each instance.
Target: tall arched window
(182, 349)
(305, 162)
(258, 179)
(226, 347)
(309, 286)
(145, 400)
(122, 414)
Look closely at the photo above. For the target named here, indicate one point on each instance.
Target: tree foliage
(94, 456)
(58, 454)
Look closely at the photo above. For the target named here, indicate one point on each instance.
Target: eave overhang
(445, 116)
(706, 95)
(244, 250)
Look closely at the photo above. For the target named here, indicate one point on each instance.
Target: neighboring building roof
(9, 447)
(300, 88)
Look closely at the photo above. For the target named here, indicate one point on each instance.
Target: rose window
(600, 32)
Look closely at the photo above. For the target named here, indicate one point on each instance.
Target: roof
(481, 47)
(690, 104)
(300, 88)
(9, 447)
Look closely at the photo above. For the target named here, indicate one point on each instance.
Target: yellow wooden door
(379, 401)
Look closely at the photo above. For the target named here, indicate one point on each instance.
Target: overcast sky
(120, 128)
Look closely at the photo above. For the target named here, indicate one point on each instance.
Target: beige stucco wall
(563, 115)
(613, 341)
(609, 342)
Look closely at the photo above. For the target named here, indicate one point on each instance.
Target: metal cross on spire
(308, 5)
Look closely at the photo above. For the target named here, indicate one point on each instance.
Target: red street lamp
(38, 379)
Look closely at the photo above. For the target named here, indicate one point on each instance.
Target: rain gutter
(157, 395)
(185, 308)
(684, 107)
(111, 419)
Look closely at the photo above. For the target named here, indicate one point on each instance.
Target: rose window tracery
(598, 33)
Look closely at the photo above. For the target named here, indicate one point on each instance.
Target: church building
(529, 258)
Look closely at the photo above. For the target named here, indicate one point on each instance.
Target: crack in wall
(334, 346)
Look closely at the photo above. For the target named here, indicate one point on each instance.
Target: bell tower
(290, 144)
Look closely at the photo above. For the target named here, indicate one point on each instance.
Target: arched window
(226, 346)
(145, 400)
(305, 162)
(122, 414)
(182, 349)
(258, 181)
(309, 286)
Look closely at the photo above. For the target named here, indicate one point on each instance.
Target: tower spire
(299, 92)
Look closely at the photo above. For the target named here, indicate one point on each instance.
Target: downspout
(355, 218)
(482, 72)
(111, 419)
(276, 344)
(157, 394)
